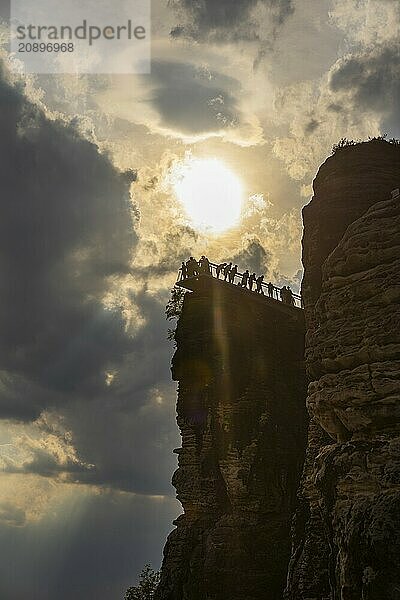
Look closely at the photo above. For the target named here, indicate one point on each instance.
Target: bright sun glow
(211, 194)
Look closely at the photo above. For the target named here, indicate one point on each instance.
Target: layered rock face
(346, 543)
(241, 412)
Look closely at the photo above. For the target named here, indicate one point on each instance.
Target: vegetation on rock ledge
(148, 582)
(174, 308)
(345, 142)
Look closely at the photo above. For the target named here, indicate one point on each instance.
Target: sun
(211, 194)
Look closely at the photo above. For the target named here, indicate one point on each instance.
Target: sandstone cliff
(346, 532)
(241, 412)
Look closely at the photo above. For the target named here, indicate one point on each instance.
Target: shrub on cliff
(345, 142)
(148, 582)
(174, 308)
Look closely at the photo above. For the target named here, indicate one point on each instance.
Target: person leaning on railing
(259, 282)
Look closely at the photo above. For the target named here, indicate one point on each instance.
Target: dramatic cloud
(194, 100)
(83, 354)
(317, 117)
(183, 100)
(356, 97)
(78, 341)
(252, 256)
(128, 439)
(84, 366)
(369, 24)
(228, 19)
(191, 101)
(66, 234)
(366, 80)
(44, 449)
(371, 82)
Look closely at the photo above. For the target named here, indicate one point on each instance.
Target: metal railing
(267, 289)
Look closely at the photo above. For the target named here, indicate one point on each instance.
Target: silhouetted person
(286, 295)
(189, 268)
(219, 269)
(183, 271)
(201, 265)
(290, 297)
(227, 270)
(245, 277)
(270, 290)
(233, 274)
(251, 281)
(259, 282)
(192, 267)
(204, 265)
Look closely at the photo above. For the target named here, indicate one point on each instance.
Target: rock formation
(346, 542)
(241, 412)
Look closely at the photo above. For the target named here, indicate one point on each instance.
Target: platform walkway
(267, 291)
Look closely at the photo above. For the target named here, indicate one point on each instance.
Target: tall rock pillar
(346, 532)
(241, 412)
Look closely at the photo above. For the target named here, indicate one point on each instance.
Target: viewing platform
(280, 297)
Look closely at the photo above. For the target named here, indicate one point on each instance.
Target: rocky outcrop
(241, 412)
(347, 184)
(346, 531)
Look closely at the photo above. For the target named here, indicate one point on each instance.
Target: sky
(92, 233)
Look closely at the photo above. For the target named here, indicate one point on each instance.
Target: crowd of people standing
(228, 272)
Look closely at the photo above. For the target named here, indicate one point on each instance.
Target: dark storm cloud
(122, 438)
(66, 227)
(44, 463)
(66, 231)
(193, 100)
(130, 433)
(226, 20)
(372, 80)
(131, 446)
(253, 256)
(23, 399)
